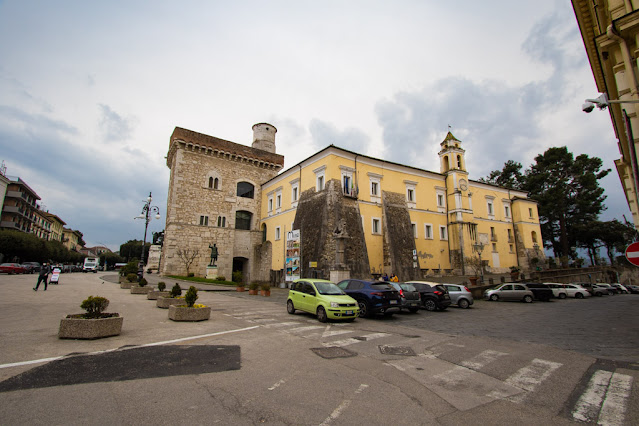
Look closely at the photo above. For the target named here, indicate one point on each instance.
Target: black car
(434, 295)
(373, 297)
(540, 291)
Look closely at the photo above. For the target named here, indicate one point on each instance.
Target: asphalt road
(252, 363)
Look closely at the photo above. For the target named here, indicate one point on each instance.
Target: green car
(321, 298)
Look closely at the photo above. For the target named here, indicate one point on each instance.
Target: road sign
(632, 253)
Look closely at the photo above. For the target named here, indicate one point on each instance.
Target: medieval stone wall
(398, 236)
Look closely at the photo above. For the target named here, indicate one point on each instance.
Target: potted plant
(265, 289)
(192, 311)
(154, 294)
(514, 273)
(141, 288)
(173, 298)
(130, 281)
(93, 324)
(240, 287)
(129, 268)
(475, 264)
(253, 288)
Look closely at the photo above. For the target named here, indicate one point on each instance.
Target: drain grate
(397, 350)
(333, 352)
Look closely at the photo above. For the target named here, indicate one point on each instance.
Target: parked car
(409, 296)
(12, 268)
(575, 290)
(558, 290)
(321, 298)
(608, 287)
(35, 266)
(620, 288)
(459, 295)
(510, 291)
(540, 291)
(634, 289)
(594, 289)
(434, 295)
(373, 297)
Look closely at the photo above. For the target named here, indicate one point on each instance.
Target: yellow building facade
(398, 219)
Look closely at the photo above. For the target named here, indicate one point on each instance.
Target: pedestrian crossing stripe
(604, 400)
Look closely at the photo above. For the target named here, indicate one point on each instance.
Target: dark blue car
(373, 297)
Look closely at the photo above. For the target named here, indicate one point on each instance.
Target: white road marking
(328, 332)
(343, 406)
(306, 328)
(530, 377)
(282, 324)
(351, 341)
(277, 385)
(605, 399)
(482, 359)
(261, 320)
(166, 342)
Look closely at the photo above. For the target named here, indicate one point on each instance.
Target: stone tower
(264, 137)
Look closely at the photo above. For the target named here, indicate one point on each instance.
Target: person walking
(44, 274)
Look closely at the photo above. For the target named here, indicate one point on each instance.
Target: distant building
(389, 217)
(57, 226)
(20, 206)
(72, 239)
(610, 31)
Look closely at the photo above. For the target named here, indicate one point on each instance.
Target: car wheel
(528, 298)
(463, 303)
(494, 297)
(413, 310)
(321, 314)
(363, 308)
(562, 295)
(599, 294)
(430, 305)
(289, 307)
(579, 296)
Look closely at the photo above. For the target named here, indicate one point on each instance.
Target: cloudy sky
(90, 92)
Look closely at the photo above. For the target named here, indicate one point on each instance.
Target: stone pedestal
(153, 262)
(211, 272)
(339, 275)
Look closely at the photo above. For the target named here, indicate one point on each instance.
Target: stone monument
(211, 270)
(339, 271)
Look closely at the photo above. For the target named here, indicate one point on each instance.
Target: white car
(576, 291)
(620, 287)
(558, 290)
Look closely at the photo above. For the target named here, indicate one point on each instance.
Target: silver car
(509, 291)
(460, 295)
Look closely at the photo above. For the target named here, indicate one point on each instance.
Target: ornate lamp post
(147, 210)
(479, 247)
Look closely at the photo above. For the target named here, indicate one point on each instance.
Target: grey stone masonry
(398, 236)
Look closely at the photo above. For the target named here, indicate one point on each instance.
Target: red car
(13, 268)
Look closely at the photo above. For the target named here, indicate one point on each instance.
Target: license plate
(446, 297)
(393, 302)
(348, 313)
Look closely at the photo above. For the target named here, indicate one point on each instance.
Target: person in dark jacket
(44, 274)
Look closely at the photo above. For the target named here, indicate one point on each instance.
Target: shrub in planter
(190, 312)
(131, 278)
(253, 288)
(161, 286)
(266, 289)
(237, 277)
(176, 291)
(143, 282)
(93, 324)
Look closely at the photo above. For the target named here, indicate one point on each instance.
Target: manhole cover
(333, 352)
(397, 350)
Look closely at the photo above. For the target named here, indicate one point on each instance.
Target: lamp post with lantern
(147, 211)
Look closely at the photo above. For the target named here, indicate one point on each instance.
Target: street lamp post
(479, 247)
(147, 210)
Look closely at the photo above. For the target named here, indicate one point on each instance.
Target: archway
(240, 264)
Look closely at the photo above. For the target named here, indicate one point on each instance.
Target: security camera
(588, 107)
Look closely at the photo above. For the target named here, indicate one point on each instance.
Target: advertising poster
(293, 255)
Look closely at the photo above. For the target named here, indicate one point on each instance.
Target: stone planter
(73, 327)
(184, 313)
(155, 294)
(122, 279)
(140, 290)
(127, 285)
(265, 293)
(165, 302)
(253, 292)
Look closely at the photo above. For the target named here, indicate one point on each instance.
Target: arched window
(459, 166)
(216, 184)
(221, 222)
(210, 182)
(264, 232)
(446, 164)
(243, 220)
(534, 237)
(245, 189)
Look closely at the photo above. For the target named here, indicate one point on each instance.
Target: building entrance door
(240, 264)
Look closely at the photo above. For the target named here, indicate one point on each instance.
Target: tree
(568, 193)
(133, 248)
(188, 257)
(508, 177)
(110, 259)
(587, 236)
(616, 236)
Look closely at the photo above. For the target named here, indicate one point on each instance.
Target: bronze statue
(213, 255)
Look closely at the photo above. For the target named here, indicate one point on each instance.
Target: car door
(454, 291)
(506, 292)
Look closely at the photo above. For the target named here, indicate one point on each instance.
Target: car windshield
(328, 289)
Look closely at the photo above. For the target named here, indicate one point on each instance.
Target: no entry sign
(632, 253)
